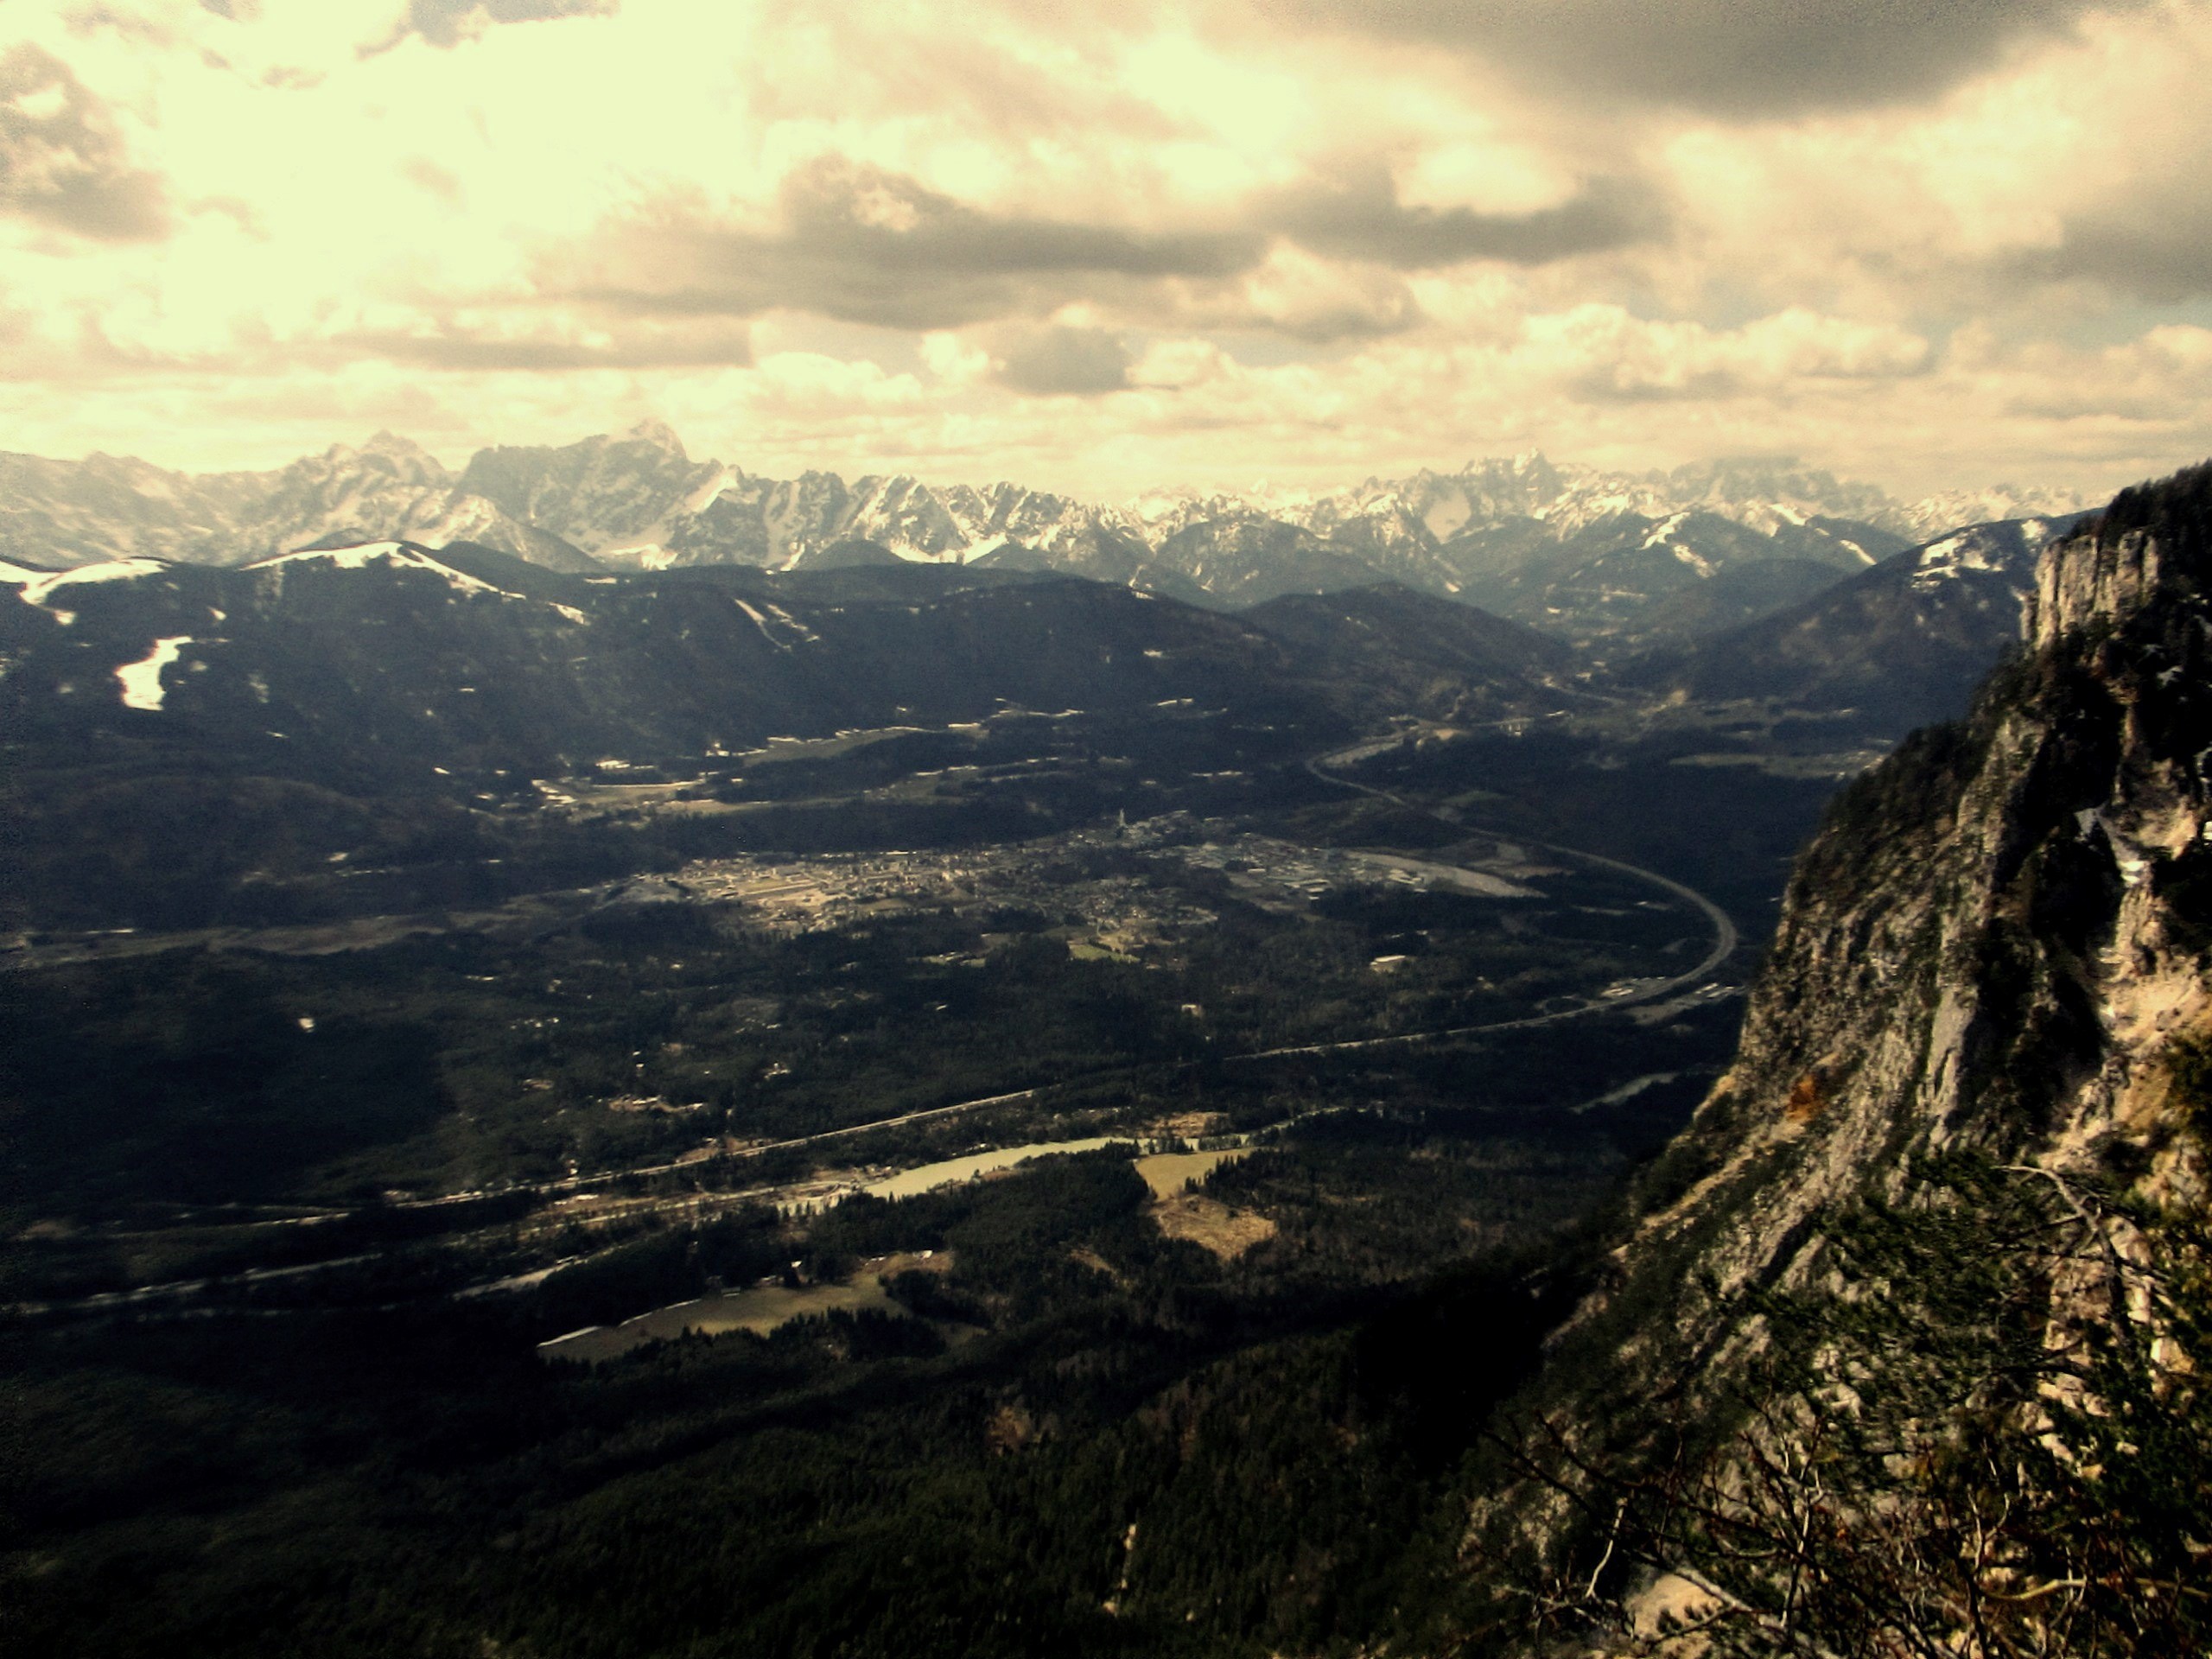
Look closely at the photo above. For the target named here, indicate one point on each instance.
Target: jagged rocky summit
(1990, 995)
(1578, 550)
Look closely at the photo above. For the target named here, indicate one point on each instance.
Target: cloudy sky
(1926, 242)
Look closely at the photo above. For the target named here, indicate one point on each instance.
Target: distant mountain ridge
(1574, 550)
(1900, 644)
(390, 653)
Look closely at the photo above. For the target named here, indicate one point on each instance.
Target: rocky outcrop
(1996, 945)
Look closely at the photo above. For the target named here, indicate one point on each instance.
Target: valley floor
(670, 1235)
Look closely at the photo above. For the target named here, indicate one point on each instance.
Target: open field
(1212, 1225)
(760, 1309)
(1168, 1172)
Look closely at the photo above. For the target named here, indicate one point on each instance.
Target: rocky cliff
(1993, 959)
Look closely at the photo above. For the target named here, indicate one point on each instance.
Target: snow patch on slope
(761, 623)
(977, 550)
(805, 633)
(707, 493)
(1984, 548)
(142, 680)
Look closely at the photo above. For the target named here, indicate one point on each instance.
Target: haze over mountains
(1578, 551)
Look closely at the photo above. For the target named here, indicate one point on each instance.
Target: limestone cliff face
(1994, 943)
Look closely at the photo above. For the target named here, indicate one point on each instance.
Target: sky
(1932, 244)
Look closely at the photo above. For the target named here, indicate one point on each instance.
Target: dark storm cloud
(1061, 362)
(62, 161)
(1364, 220)
(1731, 57)
(870, 247)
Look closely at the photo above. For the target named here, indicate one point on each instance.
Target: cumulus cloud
(813, 386)
(63, 163)
(1176, 364)
(1742, 57)
(1307, 297)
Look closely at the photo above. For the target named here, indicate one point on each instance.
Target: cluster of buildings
(1071, 879)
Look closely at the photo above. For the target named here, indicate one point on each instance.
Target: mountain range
(1575, 551)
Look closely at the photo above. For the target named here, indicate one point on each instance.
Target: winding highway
(1725, 937)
